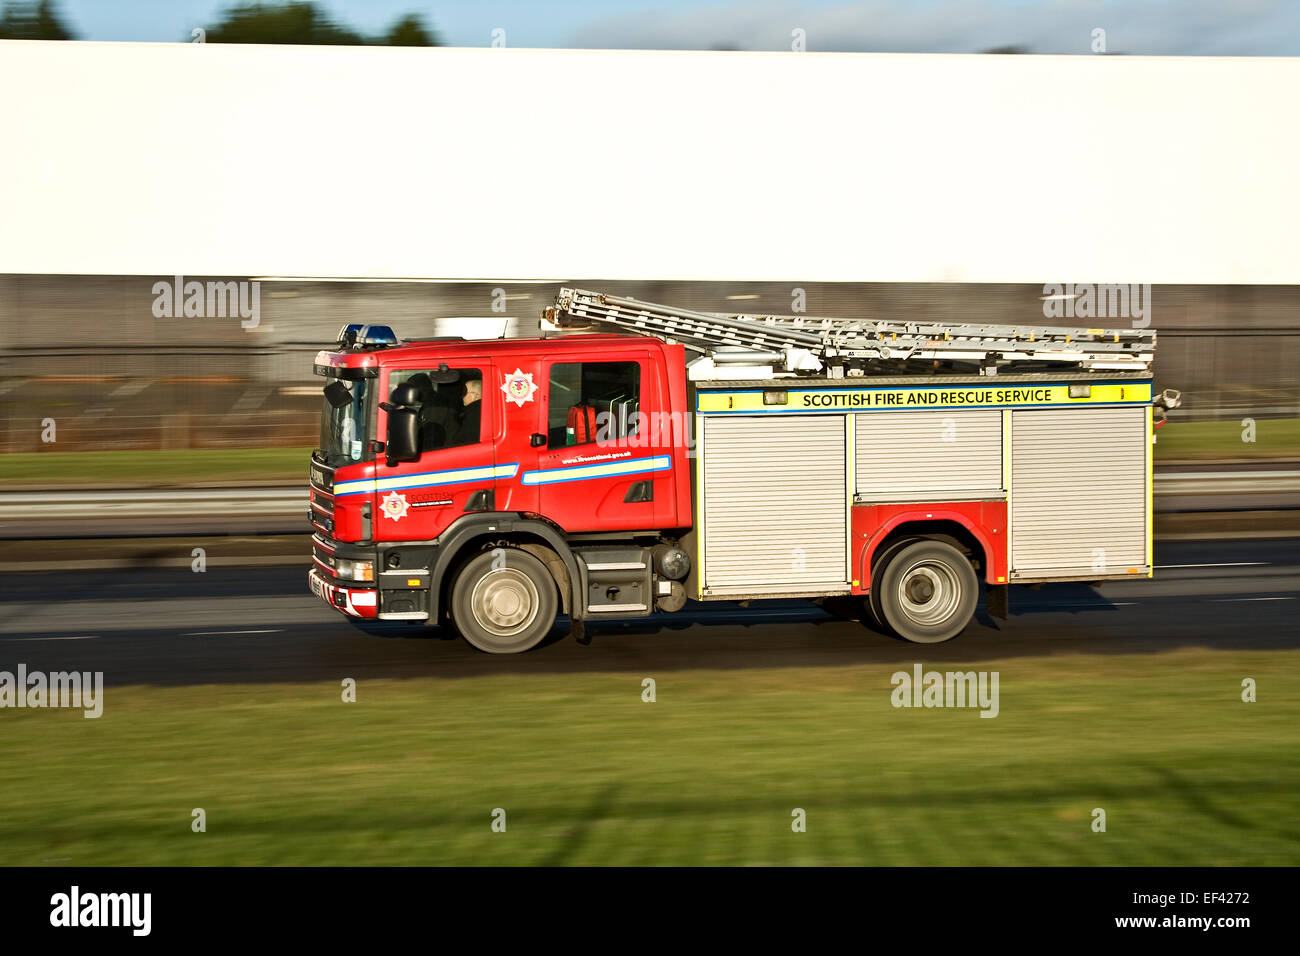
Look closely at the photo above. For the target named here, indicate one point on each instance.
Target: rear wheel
(503, 601)
(925, 592)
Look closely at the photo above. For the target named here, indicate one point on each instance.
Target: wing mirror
(338, 394)
(403, 439)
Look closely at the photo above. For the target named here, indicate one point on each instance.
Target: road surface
(175, 627)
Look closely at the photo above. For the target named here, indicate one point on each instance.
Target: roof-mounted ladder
(836, 347)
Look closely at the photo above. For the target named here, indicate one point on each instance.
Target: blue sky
(467, 23)
(1162, 27)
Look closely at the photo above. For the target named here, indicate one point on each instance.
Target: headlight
(355, 570)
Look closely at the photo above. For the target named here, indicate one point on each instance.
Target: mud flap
(578, 630)
(998, 600)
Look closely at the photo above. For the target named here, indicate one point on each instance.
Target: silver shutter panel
(928, 455)
(1078, 491)
(775, 501)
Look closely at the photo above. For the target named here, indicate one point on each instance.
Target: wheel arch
(950, 526)
(472, 532)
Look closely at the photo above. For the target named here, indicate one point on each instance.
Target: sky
(1148, 27)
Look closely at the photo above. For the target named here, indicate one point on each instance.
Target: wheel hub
(920, 588)
(929, 592)
(504, 602)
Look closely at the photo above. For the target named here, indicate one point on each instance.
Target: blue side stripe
(426, 479)
(597, 469)
(546, 476)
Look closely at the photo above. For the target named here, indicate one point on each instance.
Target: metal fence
(90, 354)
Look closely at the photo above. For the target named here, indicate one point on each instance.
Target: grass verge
(177, 466)
(1274, 438)
(710, 773)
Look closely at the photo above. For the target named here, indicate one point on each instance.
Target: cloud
(1162, 27)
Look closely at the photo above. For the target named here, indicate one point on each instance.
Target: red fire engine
(497, 484)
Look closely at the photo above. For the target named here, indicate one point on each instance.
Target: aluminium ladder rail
(802, 343)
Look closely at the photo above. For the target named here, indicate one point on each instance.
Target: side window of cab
(592, 401)
(450, 413)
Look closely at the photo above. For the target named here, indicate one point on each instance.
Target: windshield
(343, 431)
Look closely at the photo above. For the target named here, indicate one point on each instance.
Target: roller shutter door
(775, 501)
(936, 455)
(1078, 491)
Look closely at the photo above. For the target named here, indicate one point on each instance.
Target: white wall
(478, 163)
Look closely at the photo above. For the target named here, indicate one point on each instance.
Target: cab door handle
(537, 440)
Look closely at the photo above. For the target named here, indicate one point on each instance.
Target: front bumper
(355, 602)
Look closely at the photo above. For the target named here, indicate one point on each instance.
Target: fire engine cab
(496, 484)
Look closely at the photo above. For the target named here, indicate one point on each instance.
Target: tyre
(503, 601)
(874, 615)
(926, 592)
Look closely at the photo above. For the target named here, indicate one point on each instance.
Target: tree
(33, 21)
(410, 31)
(290, 23)
(302, 22)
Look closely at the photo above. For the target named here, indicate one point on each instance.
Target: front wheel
(927, 592)
(503, 601)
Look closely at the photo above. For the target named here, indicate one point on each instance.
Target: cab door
(600, 467)
(456, 472)
(517, 393)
